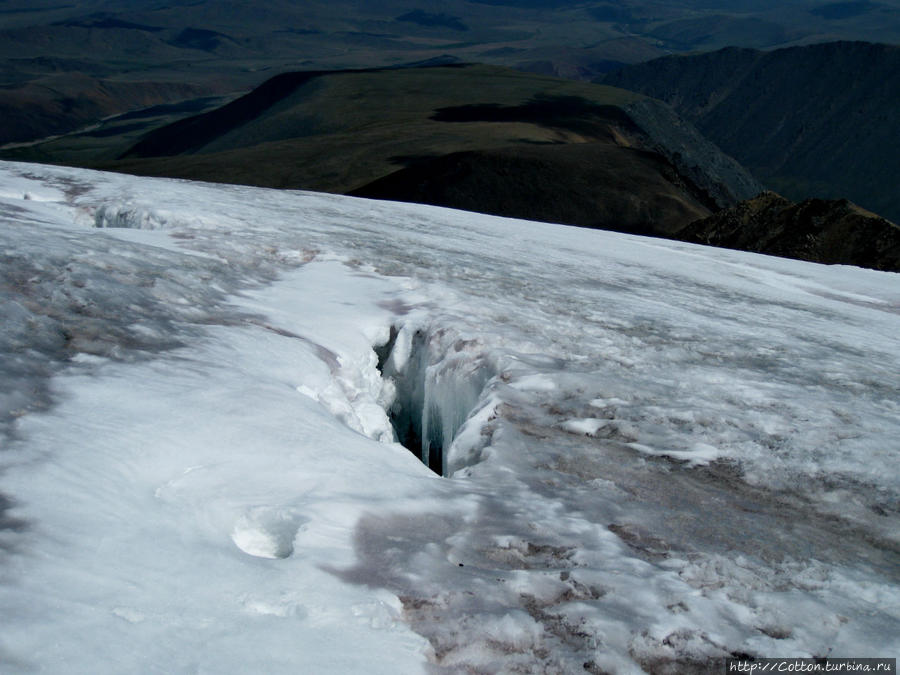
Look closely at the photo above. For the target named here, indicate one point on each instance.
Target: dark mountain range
(132, 77)
(225, 47)
(551, 149)
(819, 230)
(808, 121)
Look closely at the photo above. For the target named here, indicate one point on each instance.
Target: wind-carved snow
(655, 454)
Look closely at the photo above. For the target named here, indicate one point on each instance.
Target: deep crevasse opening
(434, 381)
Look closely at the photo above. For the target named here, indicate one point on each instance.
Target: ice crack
(436, 380)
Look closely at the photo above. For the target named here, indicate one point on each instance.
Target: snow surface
(656, 454)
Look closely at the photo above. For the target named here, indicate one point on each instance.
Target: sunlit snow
(654, 454)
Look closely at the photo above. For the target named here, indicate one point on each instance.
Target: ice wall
(436, 379)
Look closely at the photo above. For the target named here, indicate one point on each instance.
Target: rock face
(814, 121)
(818, 230)
(695, 156)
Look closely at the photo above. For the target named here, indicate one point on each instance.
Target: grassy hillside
(808, 121)
(65, 102)
(338, 131)
(599, 185)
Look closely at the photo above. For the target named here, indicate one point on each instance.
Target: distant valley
(62, 65)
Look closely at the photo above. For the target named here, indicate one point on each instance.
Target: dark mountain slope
(589, 184)
(827, 231)
(808, 121)
(224, 47)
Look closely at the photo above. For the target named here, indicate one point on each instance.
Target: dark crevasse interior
(406, 411)
(436, 390)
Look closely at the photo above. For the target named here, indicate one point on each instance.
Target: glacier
(623, 454)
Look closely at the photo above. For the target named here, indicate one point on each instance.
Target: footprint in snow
(267, 532)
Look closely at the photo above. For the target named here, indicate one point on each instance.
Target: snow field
(657, 454)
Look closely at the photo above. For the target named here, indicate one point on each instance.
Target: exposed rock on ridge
(818, 230)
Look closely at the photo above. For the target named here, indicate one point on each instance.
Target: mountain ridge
(813, 121)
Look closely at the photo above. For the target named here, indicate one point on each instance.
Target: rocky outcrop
(818, 230)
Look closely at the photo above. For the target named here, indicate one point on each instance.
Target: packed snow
(623, 455)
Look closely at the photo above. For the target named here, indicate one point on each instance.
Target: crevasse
(436, 380)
